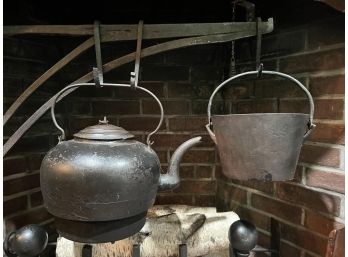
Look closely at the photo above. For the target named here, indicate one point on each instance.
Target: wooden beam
(129, 32)
(174, 44)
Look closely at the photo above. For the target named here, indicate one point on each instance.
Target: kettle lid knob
(104, 121)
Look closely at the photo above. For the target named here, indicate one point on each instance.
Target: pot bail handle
(62, 93)
(310, 124)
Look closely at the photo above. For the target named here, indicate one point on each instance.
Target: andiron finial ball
(28, 241)
(243, 236)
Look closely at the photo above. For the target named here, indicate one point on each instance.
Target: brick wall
(24, 61)
(311, 205)
(308, 208)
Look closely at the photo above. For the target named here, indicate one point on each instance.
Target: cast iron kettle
(100, 184)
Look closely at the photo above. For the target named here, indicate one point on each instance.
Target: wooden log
(174, 44)
(203, 230)
(129, 32)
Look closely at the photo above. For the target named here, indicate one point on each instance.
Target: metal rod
(258, 42)
(98, 56)
(248, 73)
(135, 75)
(136, 251)
(183, 250)
(275, 237)
(68, 90)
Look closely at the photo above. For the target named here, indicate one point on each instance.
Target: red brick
(293, 106)
(127, 93)
(276, 88)
(169, 140)
(239, 89)
(79, 107)
(298, 175)
(140, 123)
(329, 85)
(190, 91)
(319, 223)
(205, 200)
(199, 156)
(204, 171)
(320, 155)
(219, 174)
(162, 155)
(196, 187)
(174, 199)
(36, 199)
(15, 165)
(264, 240)
(329, 109)
(232, 193)
(199, 107)
(116, 107)
(206, 140)
(319, 61)
(79, 123)
(258, 219)
(333, 181)
(165, 73)
(187, 171)
(264, 186)
(276, 208)
(32, 217)
(287, 250)
(326, 33)
(259, 106)
(188, 123)
(171, 107)
(328, 133)
(14, 205)
(311, 199)
(304, 239)
(34, 161)
(21, 184)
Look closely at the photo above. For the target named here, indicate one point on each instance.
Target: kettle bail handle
(62, 137)
(311, 126)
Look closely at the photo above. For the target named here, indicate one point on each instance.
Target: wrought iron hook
(98, 72)
(259, 70)
(135, 74)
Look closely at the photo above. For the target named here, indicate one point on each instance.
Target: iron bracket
(135, 74)
(259, 65)
(98, 72)
(249, 7)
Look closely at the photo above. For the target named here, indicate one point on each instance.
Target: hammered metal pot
(100, 184)
(260, 146)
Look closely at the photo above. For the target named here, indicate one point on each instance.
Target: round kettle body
(88, 184)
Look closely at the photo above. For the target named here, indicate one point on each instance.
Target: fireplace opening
(307, 42)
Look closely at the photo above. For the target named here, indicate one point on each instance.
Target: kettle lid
(103, 131)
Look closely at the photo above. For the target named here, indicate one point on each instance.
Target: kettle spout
(171, 179)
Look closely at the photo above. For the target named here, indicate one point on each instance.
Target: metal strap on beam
(135, 74)
(98, 72)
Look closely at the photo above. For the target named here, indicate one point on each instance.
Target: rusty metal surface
(100, 232)
(261, 146)
(103, 131)
(335, 245)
